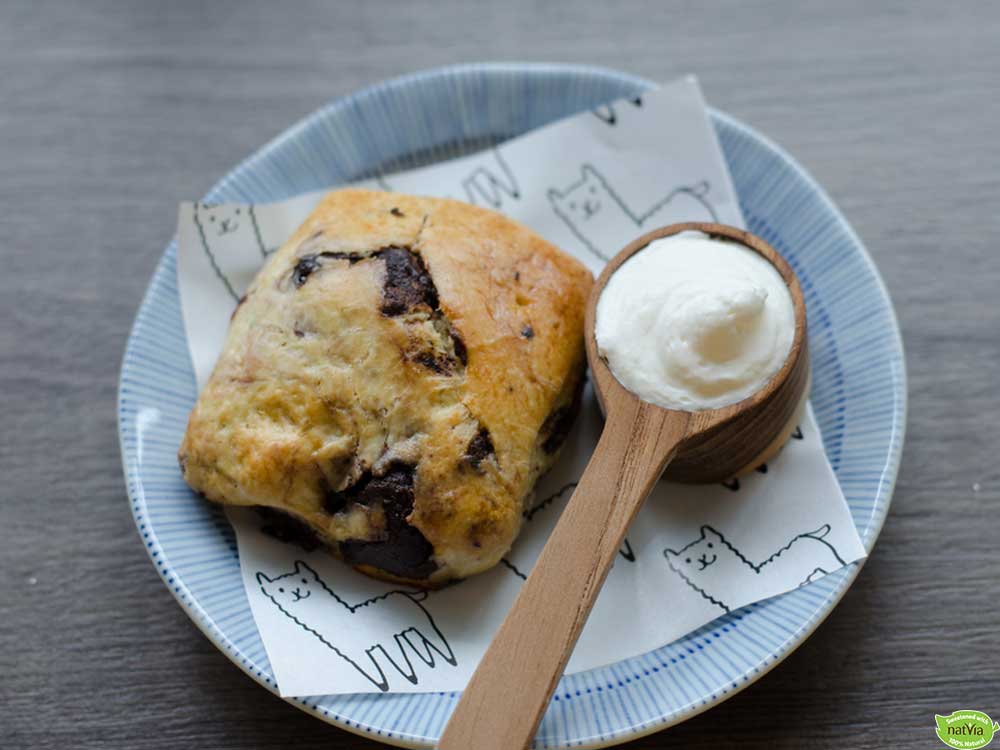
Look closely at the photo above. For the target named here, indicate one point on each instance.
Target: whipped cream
(692, 322)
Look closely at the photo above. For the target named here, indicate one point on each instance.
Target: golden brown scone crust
(397, 377)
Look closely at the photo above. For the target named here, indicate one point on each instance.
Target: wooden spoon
(506, 697)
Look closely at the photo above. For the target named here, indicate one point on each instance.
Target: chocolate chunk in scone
(480, 448)
(381, 390)
(404, 551)
(286, 528)
(305, 267)
(407, 283)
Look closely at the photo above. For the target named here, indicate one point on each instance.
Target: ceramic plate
(858, 392)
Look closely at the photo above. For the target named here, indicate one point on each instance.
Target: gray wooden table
(111, 113)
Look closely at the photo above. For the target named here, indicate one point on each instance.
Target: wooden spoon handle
(510, 690)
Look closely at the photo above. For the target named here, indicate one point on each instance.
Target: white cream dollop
(692, 322)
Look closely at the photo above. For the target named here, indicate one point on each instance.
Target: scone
(396, 379)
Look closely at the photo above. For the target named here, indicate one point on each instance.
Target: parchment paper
(589, 184)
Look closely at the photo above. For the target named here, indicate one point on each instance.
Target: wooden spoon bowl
(504, 701)
(720, 443)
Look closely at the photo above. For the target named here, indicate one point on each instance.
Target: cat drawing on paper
(385, 645)
(228, 233)
(491, 184)
(521, 557)
(599, 217)
(718, 571)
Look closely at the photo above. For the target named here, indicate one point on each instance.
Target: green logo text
(966, 730)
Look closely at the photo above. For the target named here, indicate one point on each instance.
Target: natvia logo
(965, 729)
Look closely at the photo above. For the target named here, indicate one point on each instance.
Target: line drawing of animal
(813, 558)
(603, 222)
(548, 500)
(734, 483)
(625, 551)
(608, 114)
(225, 231)
(488, 186)
(304, 597)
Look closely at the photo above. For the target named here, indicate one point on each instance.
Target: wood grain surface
(112, 112)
